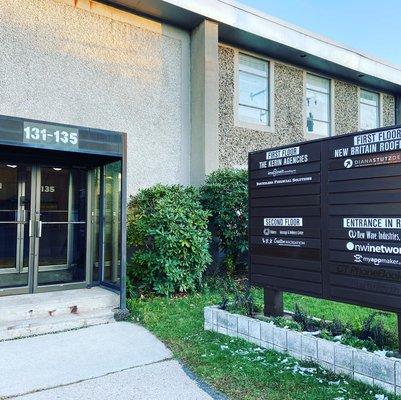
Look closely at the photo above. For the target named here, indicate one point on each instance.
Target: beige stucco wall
(80, 62)
(289, 110)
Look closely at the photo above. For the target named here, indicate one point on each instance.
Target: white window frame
(270, 128)
(313, 136)
(380, 106)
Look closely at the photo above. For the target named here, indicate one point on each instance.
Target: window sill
(254, 127)
(314, 136)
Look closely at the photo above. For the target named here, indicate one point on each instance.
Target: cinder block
(243, 326)
(309, 347)
(266, 345)
(384, 385)
(232, 323)
(294, 344)
(383, 369)
(325, 351)
(207, 326)
(343, 357)
(244, 337)
(398, 373)
(280, 337)
(232, 333)
(254, 328)
(343, 371)
(254, 340)
(208, 314)
(215, 312)
(279, 349)
(222, 330)
(266, 331)
(363, 378)
(222, 318)
(325, 365)
(363, 363)
(398, 390)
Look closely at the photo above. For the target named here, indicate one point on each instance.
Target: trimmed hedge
(168, 230)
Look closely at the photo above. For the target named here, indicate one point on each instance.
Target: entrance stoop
(40, 313)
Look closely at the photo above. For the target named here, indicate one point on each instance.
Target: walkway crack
(15, 396)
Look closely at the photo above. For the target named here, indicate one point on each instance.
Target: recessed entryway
(62, 207)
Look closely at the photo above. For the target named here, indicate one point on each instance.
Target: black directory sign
(325, 218)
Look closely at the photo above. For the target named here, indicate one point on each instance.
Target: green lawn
(239, 369)
(330, 310)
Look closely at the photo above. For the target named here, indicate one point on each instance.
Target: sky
(370, 26)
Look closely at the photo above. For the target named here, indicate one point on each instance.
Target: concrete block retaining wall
(359, 364)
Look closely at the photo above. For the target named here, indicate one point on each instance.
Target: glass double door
(43, 227)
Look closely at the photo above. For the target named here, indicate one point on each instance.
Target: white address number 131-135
(43, 135)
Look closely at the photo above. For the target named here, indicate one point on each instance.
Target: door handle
(30, 228)
(39, 234)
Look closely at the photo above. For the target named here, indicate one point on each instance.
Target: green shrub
(373, 329)
(304, 320)
(225, 195)
(167, 227)
(335, 327)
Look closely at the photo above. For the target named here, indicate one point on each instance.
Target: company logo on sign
(370, 248)
(348, 163)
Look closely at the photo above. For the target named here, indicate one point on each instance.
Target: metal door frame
(36, 233)
(34, 226)
(21, 223)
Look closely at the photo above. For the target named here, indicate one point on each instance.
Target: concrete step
(36, 314)
(40, 326)
(53, 304)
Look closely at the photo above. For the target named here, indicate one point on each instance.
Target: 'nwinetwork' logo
(370, 248)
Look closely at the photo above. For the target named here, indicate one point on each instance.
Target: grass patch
(234, 367)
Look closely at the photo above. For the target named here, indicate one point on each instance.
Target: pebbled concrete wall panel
(96, 66)
(235, 142)
(388, 109)
(346, 107)
(288, 117)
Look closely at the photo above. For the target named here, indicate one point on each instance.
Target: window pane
(370, 98)
(317, 105)
(317, 127)
(369, 117)
(317, 83)
(253, 64)
(252, 90)
(112, 223)
(253, 115)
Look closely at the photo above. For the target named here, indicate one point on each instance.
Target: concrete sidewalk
(114, 361)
